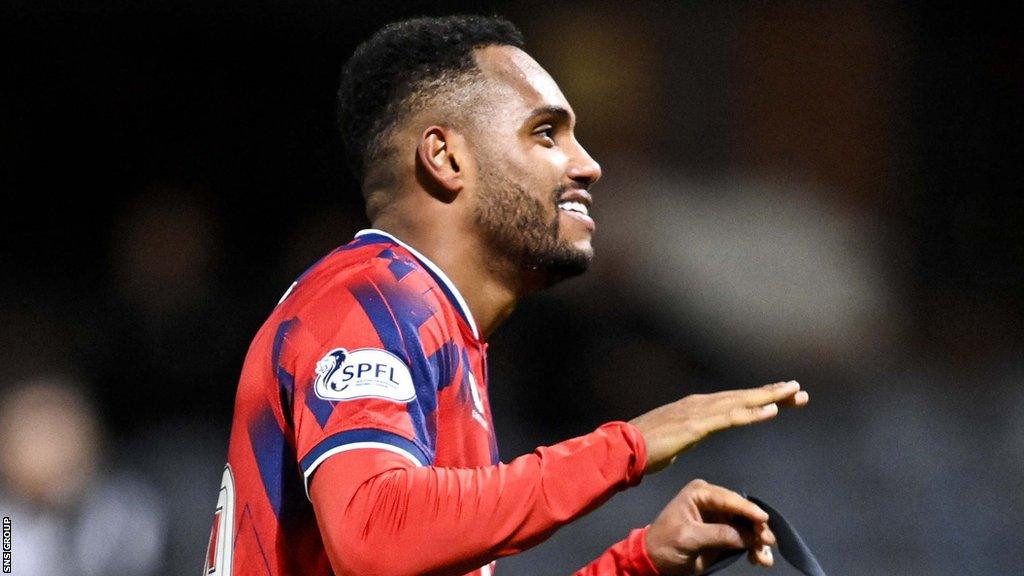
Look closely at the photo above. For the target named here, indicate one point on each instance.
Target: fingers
(797, 400)
(708, 537)
(747, 528)
(761, 556)
(743, 416)
(765, 535)
(753, 405)
(716, 499)
(723, 536)
(772, 393)
(733, 534)
(702, 520)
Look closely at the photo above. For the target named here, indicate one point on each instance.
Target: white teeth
(574, 207)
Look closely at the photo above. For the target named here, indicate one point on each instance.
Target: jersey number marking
(222, 536)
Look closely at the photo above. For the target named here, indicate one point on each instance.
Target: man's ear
(439, 156)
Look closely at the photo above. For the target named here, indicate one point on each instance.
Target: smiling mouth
(571, 206)
(576, 204)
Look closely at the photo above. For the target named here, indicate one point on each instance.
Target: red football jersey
(372, 347)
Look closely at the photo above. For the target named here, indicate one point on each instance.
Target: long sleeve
(626, 558)
(380, 515)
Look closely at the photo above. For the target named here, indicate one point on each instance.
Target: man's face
(532, 200)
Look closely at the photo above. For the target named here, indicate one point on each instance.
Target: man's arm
(380, 515)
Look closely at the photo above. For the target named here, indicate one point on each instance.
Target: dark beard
(514, 223)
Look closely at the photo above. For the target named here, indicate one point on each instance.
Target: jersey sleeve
(626, 558)
(364, 376)
(379, 515)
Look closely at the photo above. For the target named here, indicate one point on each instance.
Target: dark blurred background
(825, 191)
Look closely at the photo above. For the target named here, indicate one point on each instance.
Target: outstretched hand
(676, 427)
(702, 521)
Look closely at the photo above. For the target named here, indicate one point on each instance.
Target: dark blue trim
(363, 435)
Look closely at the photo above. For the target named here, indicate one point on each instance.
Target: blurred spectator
(72, 514)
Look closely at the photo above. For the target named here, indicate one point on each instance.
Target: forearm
(414, 520)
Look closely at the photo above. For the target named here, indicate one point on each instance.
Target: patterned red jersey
(372, 347)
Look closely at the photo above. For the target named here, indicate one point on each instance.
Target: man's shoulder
(364, 274)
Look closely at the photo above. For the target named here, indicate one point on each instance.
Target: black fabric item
(791, 546)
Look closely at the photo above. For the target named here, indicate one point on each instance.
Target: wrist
(645, 565)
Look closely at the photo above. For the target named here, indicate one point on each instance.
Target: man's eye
(547, 132)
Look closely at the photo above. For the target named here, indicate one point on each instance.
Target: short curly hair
(402, 68)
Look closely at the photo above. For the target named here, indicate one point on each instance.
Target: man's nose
(584, 168)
